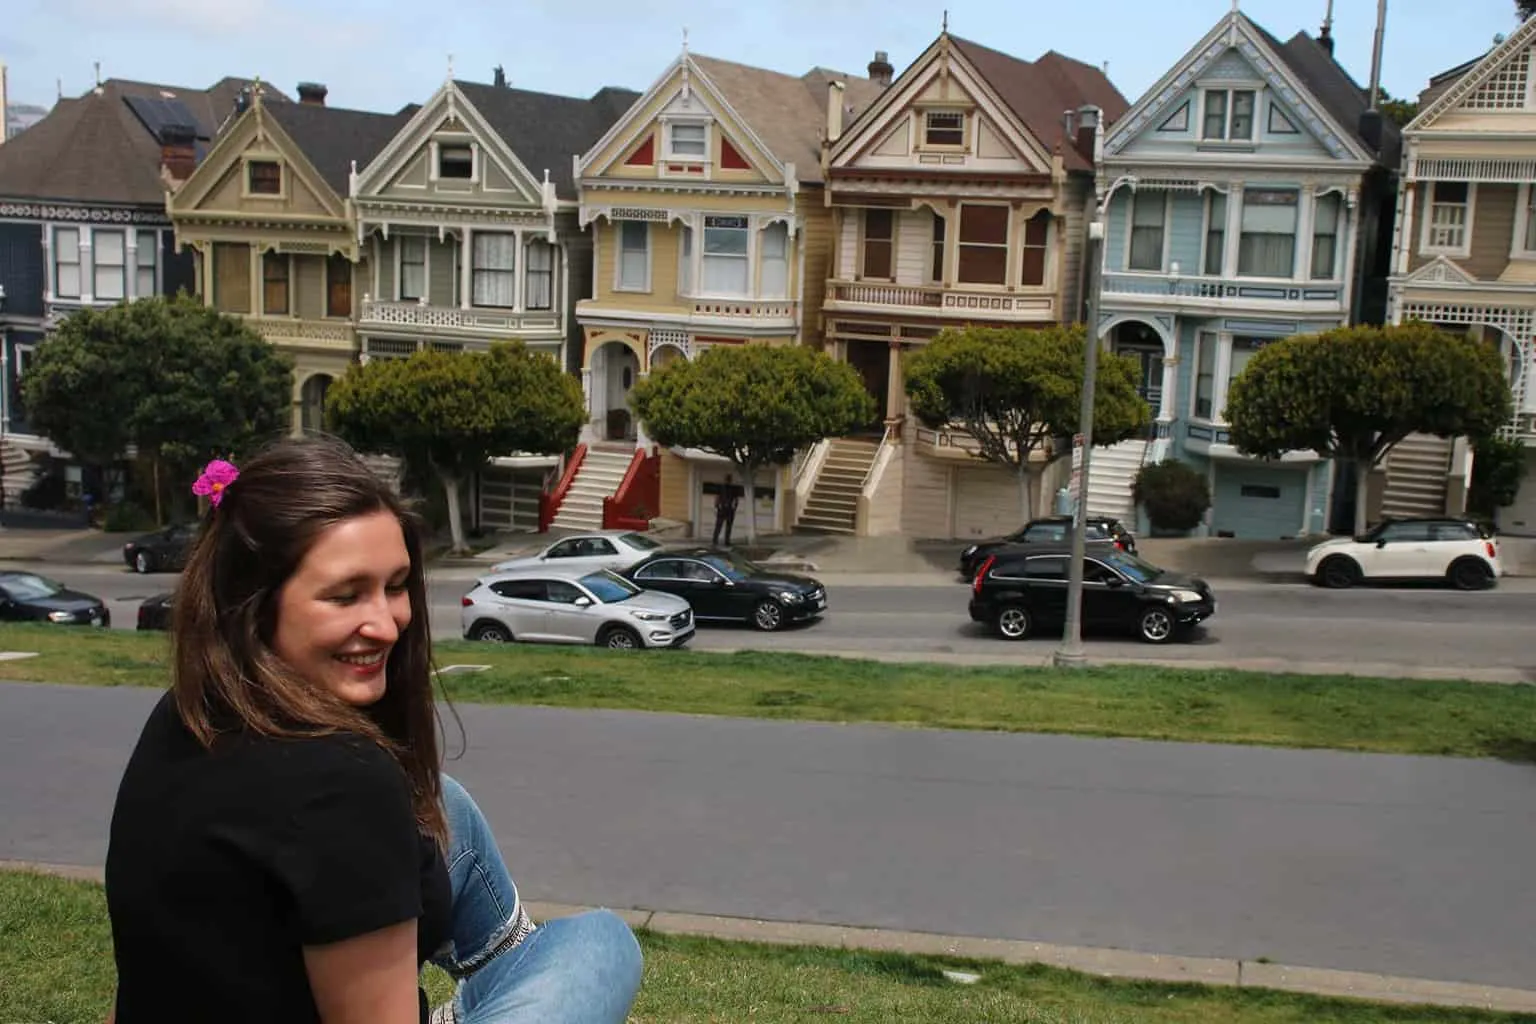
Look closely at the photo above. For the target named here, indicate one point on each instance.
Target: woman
(285, 846)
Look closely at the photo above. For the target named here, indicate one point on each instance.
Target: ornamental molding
(695, 188)
(1440, 270)
(83, 214)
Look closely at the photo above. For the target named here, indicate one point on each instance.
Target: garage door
(1261, 504)
(986, 502)
(1519, 519)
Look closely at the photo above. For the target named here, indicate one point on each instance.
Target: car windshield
(609, 588)
(733, 568)
(1130, 565)
(29, 587)
(640, 542)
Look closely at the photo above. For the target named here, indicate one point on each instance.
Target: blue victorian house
(1248, 198)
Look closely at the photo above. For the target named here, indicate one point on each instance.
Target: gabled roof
(1039, 92)
(100, 148)
(544, 130)
(1336, 90)
(1466, 83)
(333, 138)
(788, 113)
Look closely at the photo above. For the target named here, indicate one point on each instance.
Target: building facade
(1465, 255)
(1245, 196)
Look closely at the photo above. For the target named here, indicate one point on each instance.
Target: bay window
(539, 286)
(1267, 247)
(109, 261)
(1215, 234)
(146, 263)
(1325, 236)
(413, 268)
(879, 245)
(983, 244)
(66, 263)
(1445, 229)
(726, 266)
(274, 284)
(493, 266)
(634, 256)
(1149, 211)
(774, 281)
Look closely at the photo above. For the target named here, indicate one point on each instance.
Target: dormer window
(944, 128)
(1228, 115)
(264, 177)
(687, 141)
(456, 161)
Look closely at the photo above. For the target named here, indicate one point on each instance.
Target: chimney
(312, 94)
(880, 70)
(834, 111)
(1069, 122)
(1325, 37)
(499, 77)
(178, 151)
(1088, 118)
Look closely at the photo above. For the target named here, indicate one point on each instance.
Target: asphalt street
(1411, 866)
(1427, 627)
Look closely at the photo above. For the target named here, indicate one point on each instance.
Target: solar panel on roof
(156, 114)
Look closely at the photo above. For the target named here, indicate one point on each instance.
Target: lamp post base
(1069, 657)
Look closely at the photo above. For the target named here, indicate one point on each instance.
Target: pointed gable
(1499, 84)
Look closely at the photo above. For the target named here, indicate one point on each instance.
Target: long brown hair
(225, 675)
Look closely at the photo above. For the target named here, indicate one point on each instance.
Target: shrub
(1174, 494)
(128, 517)
(1498, 465)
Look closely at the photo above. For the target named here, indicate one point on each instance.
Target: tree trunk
(1028, 492)
(1362, 492)
(749, 474)
(455, 514)
(154, 465)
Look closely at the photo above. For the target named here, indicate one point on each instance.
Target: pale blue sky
(381, 54)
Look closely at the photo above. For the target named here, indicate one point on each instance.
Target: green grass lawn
(1152, 702)
(56, 965)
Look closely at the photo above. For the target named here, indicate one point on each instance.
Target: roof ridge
(493, 87)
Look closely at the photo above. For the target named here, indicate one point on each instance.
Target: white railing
(1237, 291)
(878, 463)
(416, 314)
(752, 309)
(807, 468)
(941, 301)
(292, 330)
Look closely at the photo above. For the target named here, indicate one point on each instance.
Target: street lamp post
(1071, 654)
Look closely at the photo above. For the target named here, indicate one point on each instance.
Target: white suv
(1456, 550)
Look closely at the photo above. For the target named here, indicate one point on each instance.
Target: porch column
(641, 440)
(894, 407)
(1167, 403)
(519, 272)
(467, 273)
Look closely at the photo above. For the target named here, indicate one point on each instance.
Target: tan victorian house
(1465, 255)
(958, 197)
(266, 216)
(709, 227)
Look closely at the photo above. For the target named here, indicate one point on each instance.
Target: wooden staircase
(598, 477)
(833, 506)
(1418, 468)
(18, 471)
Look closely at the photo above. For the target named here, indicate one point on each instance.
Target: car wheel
(768, 616)
(143, 563)
(1013, 622)
(1157, 625)
(491, 632)
(1338, 572)
(620, 638)
(1469, 574)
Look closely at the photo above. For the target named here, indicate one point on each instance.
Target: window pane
(775, 269)
(1242, 115)
(688, 139)
(879, 227)
(1216, 234)
(539, 290)
(1036, 232)
(685, 270)
(66, 245)
(634, 239)
(945, 128)
(1268, 245)
(775, 241)
(413, 267)
(634, 235)
(495, 251)
(725, 275)
(983, 264)
(274, 281)
(726, 236)
(1215, 115)
(1205, 375)
(1451, 192)
(1325, 236)
(148, 248)
(937, 270)
(1243, 350)
(338, 291)
(109, 255)
(983, 224)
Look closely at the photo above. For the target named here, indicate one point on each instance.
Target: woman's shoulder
(315, 766)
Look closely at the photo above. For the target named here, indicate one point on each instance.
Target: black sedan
(162, 551)
(28, 597)
(723, 587)
(1047, 530)
(155, 612)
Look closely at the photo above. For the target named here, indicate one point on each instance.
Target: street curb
(1105, 962)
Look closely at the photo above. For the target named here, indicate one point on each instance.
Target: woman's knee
(609, 948)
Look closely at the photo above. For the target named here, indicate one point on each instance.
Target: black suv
(1047, 530)
(1018, 592)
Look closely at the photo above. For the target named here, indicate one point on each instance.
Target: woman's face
(344, 607)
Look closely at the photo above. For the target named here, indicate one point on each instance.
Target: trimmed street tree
(447, 413)
(1017, 392)
(179, 381)
(1354, 392)
(753, 404)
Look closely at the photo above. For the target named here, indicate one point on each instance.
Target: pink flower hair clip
(215, 480)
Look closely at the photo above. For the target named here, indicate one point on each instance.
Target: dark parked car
(1048, 530)
(162, 551)
(725, 587)
(155, 612)
(28, 597)
(1020, 592)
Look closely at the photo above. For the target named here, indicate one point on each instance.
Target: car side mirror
(1381, 543)
(582, 602)
(1114, 581)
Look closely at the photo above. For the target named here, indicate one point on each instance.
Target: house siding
(675, 499)
(1493, 230)
(664, 257)
(1187, 220)
(816, 242)
(1075, 226)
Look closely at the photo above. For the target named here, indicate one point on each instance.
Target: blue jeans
(572, 970)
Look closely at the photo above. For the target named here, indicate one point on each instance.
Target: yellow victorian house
(266, 217)
(709, 227)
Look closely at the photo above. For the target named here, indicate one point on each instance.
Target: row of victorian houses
(1251, 194)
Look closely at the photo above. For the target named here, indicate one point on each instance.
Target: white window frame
(927, 126)
(746, 258)
(436, 152)
(1207, 226)
(283, 174)
(1524, 223)
(669, 135)
(1297, 237)
(619, 284)
(426, 268)
(961, 245)
(1229, 93)
(97, 266)
(1130, 230)
(151, 236)
(764, 262)
(475, 269)
(78, 263)
(1339, 240)
(553, 253)
(1427, 228)
(1205, 341)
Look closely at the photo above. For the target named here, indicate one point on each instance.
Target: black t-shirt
(223, 864)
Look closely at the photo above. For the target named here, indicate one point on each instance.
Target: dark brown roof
(99, 148)
(332, 138)
(1333, 87)
(1040, 92)
(547, 131)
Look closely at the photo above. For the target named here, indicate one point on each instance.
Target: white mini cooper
(1455, 550)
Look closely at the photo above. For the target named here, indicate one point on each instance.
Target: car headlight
(650, 616)
(61, 616)
(789, 597)
(968, 552)
(1188, 595)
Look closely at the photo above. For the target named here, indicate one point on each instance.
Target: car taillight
(1492, 553)
(466, 601)
(1119, 544)
(981, 573)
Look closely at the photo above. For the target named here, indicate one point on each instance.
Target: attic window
(456, 161)
(265, 177)
(944, 128)
(1228, 115)
(686, 140)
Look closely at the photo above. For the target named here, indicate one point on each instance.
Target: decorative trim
(1440, 270)
(1473, 170)
(83, 214)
